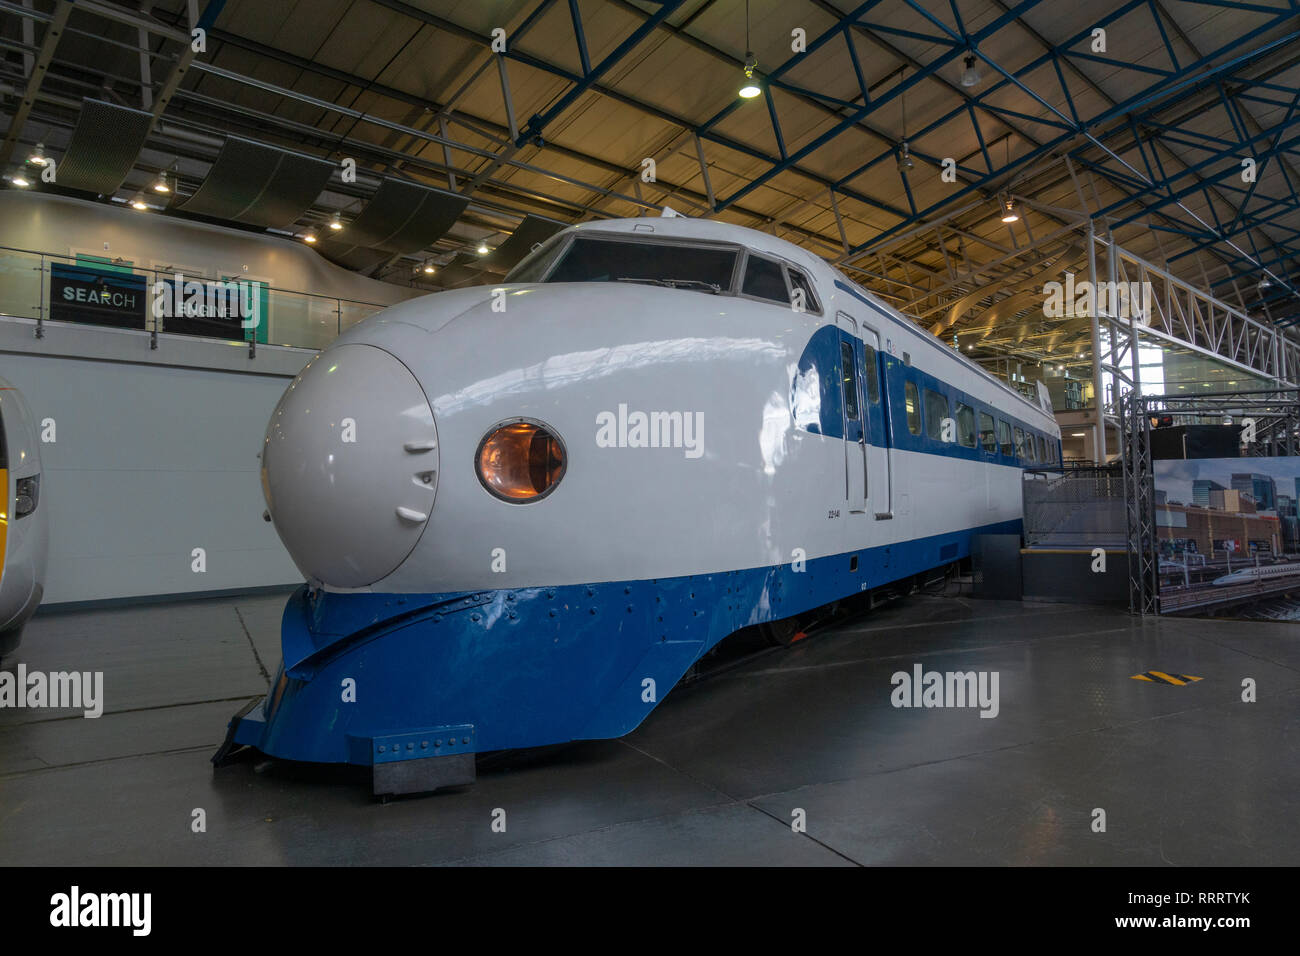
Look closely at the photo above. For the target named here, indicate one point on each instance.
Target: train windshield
(538, 262)
(586, 259)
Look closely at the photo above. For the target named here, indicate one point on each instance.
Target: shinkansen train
(1263, 574)
(524, 511)
(24, 535)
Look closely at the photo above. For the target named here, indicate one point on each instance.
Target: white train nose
(350, 466)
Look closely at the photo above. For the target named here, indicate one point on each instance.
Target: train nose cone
(350, 466)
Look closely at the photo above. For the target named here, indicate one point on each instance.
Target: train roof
(683, 227)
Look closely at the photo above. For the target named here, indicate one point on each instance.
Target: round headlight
(520, 461)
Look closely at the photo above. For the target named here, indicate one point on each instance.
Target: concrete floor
(1186, 775)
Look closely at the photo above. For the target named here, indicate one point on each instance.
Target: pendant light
(749, 87)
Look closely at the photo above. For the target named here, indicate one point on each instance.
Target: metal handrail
(159, 272)
(151, 276)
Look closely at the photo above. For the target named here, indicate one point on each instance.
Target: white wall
(150, 462)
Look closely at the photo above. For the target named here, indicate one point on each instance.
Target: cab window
(799, 284)
(765, 279)
(675, 265)
(536, 264)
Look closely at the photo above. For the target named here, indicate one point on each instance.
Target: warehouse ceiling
(888, 136)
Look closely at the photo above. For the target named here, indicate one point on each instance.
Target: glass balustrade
(20, 284)
(92, 291)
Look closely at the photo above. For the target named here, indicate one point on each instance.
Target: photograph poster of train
(1229, 537)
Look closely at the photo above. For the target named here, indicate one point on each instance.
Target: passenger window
(965, 425)
(850, 382)
(1031, 447)
(913, 402)
(1004, 438)
(936, 410)
(872, 375)
(1020, 442)
(799, 283)
(765, 279)
(988, 438)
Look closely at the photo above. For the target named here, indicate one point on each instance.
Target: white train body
(24, 531)
(1264, 574)
(566, 354)
(712, 477)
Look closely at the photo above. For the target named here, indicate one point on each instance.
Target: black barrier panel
(98, 296)
(210, 308)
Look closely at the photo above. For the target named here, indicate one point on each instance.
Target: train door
(855, 440)
(875, 418)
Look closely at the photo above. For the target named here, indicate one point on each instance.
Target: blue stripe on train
(822, 353)
(819, 408)
(531, 666)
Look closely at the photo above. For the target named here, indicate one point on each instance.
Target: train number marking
(833, 514)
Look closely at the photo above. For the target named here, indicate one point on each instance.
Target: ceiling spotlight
(336, 223)
(309, 238)
(1009, 213)
(39, 158)
(428, 267)
(160, 185)
(749, 86)
(905, 159)
(969, 74)
(1265, 283)
(483, 249)
(18, 179)
(138, 202)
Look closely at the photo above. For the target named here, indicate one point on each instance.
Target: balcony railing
(284, 317)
